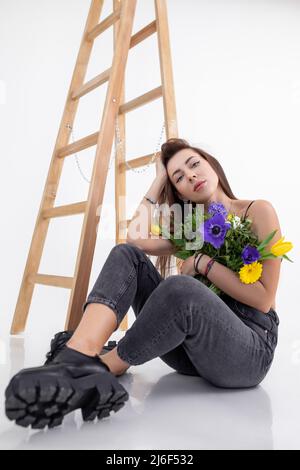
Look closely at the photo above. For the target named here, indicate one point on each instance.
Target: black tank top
(244, 217)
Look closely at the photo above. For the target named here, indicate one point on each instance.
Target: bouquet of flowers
(226, 238)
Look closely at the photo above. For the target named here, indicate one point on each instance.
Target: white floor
(167, 410)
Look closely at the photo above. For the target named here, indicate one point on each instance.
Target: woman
(229, 341)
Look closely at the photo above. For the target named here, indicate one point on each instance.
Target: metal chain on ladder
(119, 141)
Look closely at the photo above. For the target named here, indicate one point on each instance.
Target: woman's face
(185, 169)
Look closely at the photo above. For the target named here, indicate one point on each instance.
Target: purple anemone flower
(215, 230)
(217, 208)
(250, 254)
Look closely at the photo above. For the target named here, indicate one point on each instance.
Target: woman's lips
(200, 186)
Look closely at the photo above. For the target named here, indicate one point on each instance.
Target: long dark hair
(169, 195)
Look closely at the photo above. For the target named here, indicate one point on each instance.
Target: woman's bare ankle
(116, 365)
(82, 347)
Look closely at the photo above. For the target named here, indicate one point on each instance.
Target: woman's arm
(229, 282)
(260, 294)
(140, 225)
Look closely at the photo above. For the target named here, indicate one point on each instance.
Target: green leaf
(286, 257)
(266, 240)
(183, 254)
(267, 256)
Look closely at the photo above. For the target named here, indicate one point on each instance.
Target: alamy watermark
(170, 218)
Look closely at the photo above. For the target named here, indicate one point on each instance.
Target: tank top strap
(246, 214)
(247, 209)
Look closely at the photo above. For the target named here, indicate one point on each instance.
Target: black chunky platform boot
(42, 396)
(61, 338)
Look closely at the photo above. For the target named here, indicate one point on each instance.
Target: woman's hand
(161, 171)
(187, 266)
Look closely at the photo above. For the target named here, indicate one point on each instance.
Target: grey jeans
(179, 319)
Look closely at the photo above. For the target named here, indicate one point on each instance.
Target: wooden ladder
(122, 20)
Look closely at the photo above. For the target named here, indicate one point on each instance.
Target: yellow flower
(229, 216)
(155, 229)
(250, 273)
(280, 247)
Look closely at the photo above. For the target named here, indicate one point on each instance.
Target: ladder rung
(55, 281)
(92, 84)
(141, 100)
(124, 224)
(105, 24)
(143, 34)
(104, 76)
(136, 162)
(63, 211)
(78, 146)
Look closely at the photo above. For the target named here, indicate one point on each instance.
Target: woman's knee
(125, 247)
(179, 282)
(130, 249)
(182, 288)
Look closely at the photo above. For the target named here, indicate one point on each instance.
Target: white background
(236, 71)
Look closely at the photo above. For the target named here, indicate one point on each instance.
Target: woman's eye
(196, 163)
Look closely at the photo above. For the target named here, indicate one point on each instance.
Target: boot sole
(40, 400)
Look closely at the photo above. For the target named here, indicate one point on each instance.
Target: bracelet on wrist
(208, 266)
(196, 263)
(150, 200)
